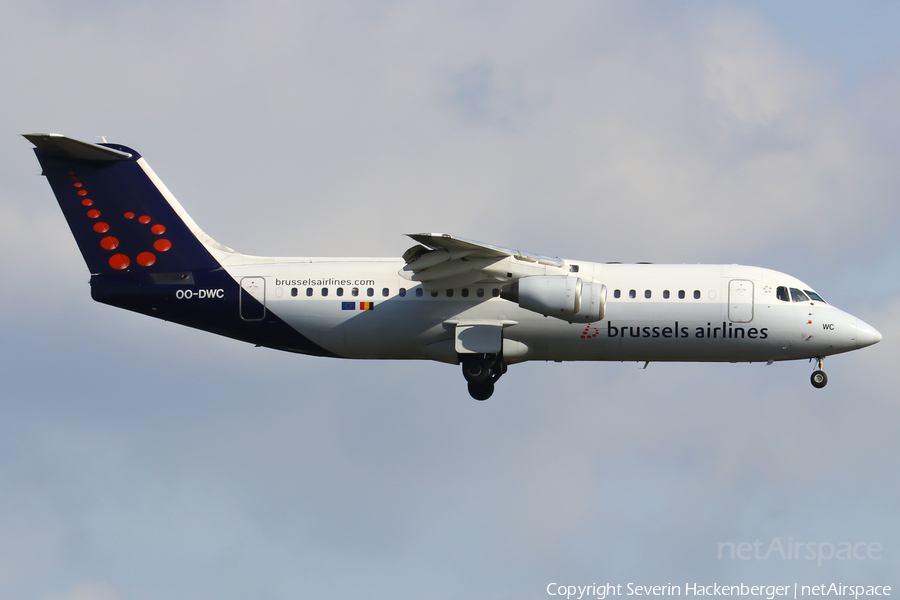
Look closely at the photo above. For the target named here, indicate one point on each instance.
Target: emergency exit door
(253, 298)
(740, 301)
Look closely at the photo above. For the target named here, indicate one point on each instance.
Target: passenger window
(666, 294)
(385, 292)
(696, 294)
(480, 292)
(403, 292)
(681, 294)
(434, 294)
(814, 296)
(340, 291)
(782, 294)
(419, 292)
(798, 296)
(354, 292)
(293, 291)
(324, 291)
(495, 292)
(647, 294)
(632, 294)
(573, 268)
(370, 292)
(449, 293)
(465, 292)
(617, 294)
(309, 291)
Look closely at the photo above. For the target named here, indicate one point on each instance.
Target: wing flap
(452, 268)
(442, 261)
(457, 281)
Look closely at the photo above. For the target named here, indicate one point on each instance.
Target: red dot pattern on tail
(145, 259)
(120, 261)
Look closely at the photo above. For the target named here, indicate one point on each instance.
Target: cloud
(89, 591)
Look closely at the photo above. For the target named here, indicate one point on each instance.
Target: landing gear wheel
(497, 372)
(476, 369)
(481, 391)
(481, 372)
(818, 379)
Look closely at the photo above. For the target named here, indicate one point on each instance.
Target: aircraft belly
(386, 331)
(406, 328)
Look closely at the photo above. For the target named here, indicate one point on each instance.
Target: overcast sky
(143, 460)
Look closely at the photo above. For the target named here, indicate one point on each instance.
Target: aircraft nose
(866, 335)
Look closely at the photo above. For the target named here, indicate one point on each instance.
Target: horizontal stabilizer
(54, 144)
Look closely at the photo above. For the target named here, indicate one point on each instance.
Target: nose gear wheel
(818, 378)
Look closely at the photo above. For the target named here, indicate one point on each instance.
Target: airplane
(447, 299)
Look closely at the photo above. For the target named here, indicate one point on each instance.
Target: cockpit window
(814, 296)
(798, 296)
(782, 294)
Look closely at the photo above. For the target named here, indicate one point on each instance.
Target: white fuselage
(726, 313)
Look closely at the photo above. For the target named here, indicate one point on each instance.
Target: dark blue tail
(145, 253)
(123, 218)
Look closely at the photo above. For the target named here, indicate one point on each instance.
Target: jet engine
(560, 296)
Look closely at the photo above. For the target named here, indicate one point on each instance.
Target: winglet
(54, 144)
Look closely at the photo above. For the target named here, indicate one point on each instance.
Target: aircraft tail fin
(122, 216)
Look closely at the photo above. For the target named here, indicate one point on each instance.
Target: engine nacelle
(593, 303)
(563, 297)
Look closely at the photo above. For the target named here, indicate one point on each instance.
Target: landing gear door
(253, 298)
(479, 339)
(740, 301)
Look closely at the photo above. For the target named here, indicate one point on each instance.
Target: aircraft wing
(441, 261)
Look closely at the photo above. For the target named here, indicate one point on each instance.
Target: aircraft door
(740, 301)
(253, 298)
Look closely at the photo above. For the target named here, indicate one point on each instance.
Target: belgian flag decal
(362, 305)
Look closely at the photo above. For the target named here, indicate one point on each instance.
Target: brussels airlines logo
(588, 333)
(119, 261)
(726, 331)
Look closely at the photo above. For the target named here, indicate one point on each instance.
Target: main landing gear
(819, 379)
(481, 372)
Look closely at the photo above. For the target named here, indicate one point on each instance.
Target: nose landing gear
(481, 372)
(818, 378)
